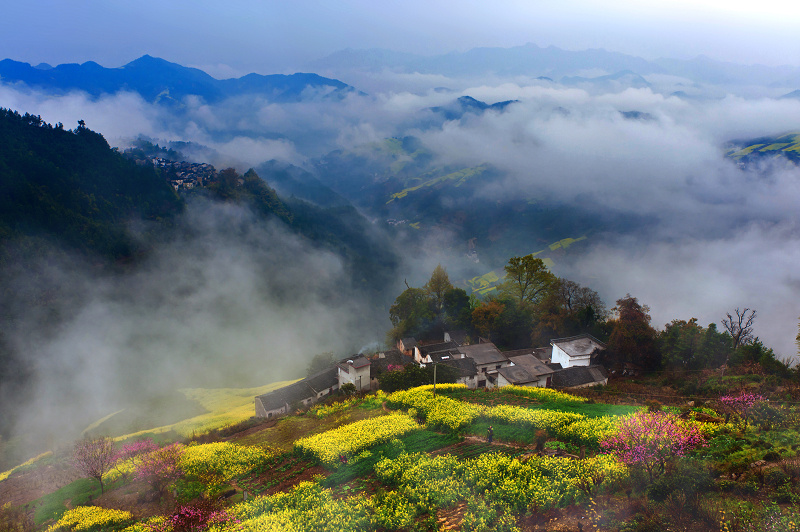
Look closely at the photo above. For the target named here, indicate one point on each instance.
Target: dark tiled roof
(433, 348)
(440, 356)
(323, 380)
(518, 352)
(359, 361)
(459, 337)
(517, 375)
(288, 394)
(466, 365)
(578, 375)
(554, 365)
(532, 365)
(483, 353)
(581, 345)
(408, 343)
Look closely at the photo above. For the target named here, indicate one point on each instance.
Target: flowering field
(544, 395)
(215, 463)
(448, 413)
(89, 518)
(351, 439)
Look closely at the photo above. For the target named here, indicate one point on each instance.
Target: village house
(427, 354)
(407, 345)
(380, 362)
(459, 337)
(488, 360)
(469, 372)
(580, 377)
(300, 394)
(576, 350)
(525, 370)
(355, 371)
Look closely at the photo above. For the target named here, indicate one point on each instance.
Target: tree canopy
(527, 280)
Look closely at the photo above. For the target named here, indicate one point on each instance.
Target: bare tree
(94, 457)
(740, 328)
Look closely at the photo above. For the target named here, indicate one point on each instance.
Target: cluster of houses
(566, 363)
(184, 175)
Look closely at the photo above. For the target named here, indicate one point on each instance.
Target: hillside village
(567, 363)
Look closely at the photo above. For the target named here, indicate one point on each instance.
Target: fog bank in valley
(235, 301)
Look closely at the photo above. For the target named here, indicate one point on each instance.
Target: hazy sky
(230, 38)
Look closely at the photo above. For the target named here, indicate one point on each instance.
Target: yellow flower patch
(351, 439)
(85, 518)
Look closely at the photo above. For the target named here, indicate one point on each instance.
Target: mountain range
(535, 61)
(157, 80)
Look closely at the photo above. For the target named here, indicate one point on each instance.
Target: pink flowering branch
(132, 452)
(742, 404)
(652, 439)
(160, 468)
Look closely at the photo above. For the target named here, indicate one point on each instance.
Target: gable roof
(485, 353)
(532, 365)
(578, 375)
(459, 337)
(517, 375)
(290, 394)
(433, 348)
(408, 343)
(465, 365)
(450, 354)
(322, 380)
(582, 345)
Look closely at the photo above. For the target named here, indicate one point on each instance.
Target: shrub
(775, 477)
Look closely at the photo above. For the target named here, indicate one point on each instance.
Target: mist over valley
(179, 236)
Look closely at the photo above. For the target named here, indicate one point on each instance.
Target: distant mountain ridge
(552, 62)
(158, 80)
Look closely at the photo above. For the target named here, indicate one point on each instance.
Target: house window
(481, 384)
(497, 366)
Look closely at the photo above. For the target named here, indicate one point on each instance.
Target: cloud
(231, 301)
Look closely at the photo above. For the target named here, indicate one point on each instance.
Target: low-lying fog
(258, 301)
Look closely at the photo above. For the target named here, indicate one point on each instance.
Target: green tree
(527, 280)
(457, 309)
(320, 362)
(413, 375)
(438, 286)
(687, 345)
(632, 338)
(410, 314)
(485, 316)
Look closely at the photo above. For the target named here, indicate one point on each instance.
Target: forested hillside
(71, 186)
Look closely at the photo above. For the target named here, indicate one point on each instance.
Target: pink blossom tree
(651, 439)
(94, 458)
(160, 468)
(132, 452)
(742, 403)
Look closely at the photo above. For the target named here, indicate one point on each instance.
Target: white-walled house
(575, 350)
(354, 371)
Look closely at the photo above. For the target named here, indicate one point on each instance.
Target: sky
(233, 38)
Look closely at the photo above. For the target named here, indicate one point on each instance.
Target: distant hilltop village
(567, 363)
(182, 175)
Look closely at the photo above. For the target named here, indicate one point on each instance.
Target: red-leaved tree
(94, 458)
(651, 439)
(160, 468)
